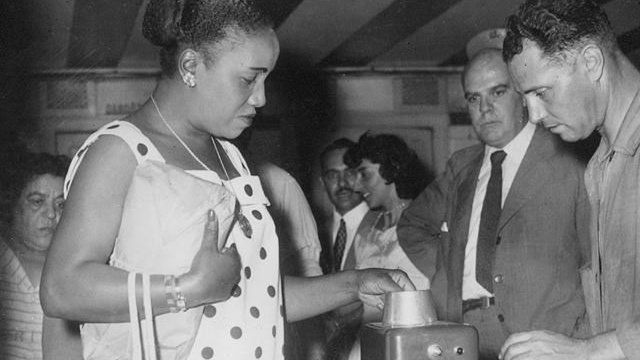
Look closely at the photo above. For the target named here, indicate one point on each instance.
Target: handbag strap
(134, 326)
(147, 330)
(145, 338)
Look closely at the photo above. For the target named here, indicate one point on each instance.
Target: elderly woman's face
(232, 88)
(38, 211)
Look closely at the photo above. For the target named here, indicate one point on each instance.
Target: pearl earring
(189, 80)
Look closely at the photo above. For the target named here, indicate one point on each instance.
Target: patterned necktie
(338, 245)
(489, 217)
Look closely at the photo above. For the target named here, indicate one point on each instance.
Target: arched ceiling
(72, 34)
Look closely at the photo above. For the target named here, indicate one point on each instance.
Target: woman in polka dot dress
(215, 57)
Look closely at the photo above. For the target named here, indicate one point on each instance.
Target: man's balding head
(481, 59)
(495, 108)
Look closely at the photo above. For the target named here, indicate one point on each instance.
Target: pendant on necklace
(244, 223)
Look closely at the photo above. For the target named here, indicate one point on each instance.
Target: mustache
(344, 188)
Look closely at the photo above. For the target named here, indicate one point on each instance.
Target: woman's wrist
(176, 301)
(188, 289)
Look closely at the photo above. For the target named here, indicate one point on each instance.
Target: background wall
(305, 111)
(69, 66)
(417, 104)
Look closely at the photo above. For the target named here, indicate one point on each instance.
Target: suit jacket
(542, 237)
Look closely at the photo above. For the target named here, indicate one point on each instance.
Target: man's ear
(593, 57)
(187, 64)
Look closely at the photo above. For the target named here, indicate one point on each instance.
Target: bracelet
(175, 298)
(169, 289)
(181, 301)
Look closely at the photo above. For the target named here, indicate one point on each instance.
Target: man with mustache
(503, 232)
(349, 207)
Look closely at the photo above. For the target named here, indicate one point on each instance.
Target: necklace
(186, 147)
(245, 225)
(224, 168)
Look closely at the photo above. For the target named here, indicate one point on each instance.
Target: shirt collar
(355, 214)
(517, 147)
(627, 140)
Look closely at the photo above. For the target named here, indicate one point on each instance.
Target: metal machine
(409, 331)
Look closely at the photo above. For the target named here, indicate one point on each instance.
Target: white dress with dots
(249, 325)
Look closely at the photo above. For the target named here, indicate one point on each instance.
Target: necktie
(339, 244)
(489, 217)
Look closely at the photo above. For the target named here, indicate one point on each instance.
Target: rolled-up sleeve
(301, 228)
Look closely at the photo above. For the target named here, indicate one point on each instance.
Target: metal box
(438, 340)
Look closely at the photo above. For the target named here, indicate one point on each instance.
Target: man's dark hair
(341, 143)
(398, 163)
(557, 26)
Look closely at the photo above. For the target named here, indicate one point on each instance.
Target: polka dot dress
(249, 325)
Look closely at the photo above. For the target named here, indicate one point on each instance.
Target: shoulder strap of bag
(145, 338)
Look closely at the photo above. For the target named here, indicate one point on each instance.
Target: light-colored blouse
(378, 247)
(20, 310)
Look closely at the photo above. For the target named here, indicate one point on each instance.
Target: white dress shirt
(515, 150)
(352, 220)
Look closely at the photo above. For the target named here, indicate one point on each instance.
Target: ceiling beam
(460, 58)
(100, 31)
(382, 32)
(628, 42)
(315, 28)
(457, 59)
(280, 9)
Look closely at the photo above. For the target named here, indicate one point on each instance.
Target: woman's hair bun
(161, 22)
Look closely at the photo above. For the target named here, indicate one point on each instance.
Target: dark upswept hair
(398, 163)
(19, 170)
(341, 143)
(174, 25)
(557, 26)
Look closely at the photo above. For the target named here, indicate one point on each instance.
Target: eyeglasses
(333, 176)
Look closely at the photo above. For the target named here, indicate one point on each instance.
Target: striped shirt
(20, 310)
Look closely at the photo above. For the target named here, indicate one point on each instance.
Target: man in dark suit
(503, 232)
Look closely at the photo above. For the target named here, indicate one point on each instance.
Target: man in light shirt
(349, 207)
(503, 232)
(575, 78)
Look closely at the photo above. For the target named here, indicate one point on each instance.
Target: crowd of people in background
(159, 216)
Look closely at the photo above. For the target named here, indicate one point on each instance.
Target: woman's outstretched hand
(374, 283)
(214, 272)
